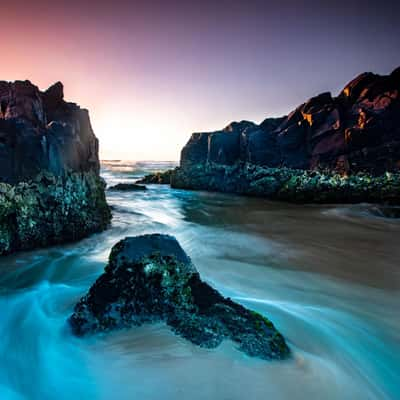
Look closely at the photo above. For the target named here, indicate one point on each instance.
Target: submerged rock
(127, 187)
(149, 278)
(385, 211)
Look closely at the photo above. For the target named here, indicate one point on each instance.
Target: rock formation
(357, 132)
(127, 187)
(150, 278)
(159, 178)
(51, 191)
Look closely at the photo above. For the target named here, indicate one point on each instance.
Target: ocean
(327, 276)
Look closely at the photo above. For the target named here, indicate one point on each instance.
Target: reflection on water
(327, 277)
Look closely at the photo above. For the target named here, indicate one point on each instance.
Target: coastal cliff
(329, 149)
(50, 188)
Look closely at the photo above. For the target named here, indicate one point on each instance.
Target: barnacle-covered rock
(150, 278)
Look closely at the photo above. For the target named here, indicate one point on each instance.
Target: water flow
(326, 276)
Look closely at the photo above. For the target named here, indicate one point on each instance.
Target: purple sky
(153, 72)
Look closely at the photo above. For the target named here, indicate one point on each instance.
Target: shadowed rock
(159, 178)
(50, 188)
(127, 187)
(356, 132)
(359, 130)
(150, 278)
(40, 131)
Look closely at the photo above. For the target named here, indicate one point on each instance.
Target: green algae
(50, 210)
(292, 185)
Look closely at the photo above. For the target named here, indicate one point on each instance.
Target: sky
(153, 72)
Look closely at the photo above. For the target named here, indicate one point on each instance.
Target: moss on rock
(150, 278)
(287, 184)
(50, 210)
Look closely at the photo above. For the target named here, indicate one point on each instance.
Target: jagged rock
(150, 278)
(40, 131)
(127, 187)
(50, 190)
(357, 131)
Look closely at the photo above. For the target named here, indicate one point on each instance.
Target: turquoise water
(327, 276)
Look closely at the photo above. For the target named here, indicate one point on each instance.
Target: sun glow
(134, 133)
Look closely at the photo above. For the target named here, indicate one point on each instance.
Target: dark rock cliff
(359, 130)
(355, 133)
(40, 131)
(50, 188)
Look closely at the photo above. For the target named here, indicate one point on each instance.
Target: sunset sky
(151, 73)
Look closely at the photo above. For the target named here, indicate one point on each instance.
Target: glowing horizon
(151, 75)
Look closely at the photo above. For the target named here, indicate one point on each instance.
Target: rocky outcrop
(51, 191)
(291, 185)
(159, 178)
(50, 210)
(127, 187)
(150, 278)
(356, 132)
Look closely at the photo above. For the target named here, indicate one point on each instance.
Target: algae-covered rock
(150, 278)
(49, 153)
(292, 185)
(127, 187)
(159, 178)
(51, 210)
(329, 149)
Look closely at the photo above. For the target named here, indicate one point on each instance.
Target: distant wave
(137, 167)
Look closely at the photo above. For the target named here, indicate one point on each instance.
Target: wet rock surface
(127, 187)
(159, 178)
(291, 185)
(51, 210)
(149, 278)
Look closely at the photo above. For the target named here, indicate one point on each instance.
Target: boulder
(150, 278)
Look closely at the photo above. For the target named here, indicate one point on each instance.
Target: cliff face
(40, 131)
(359, 130)
(307, 155)
(50, 188)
